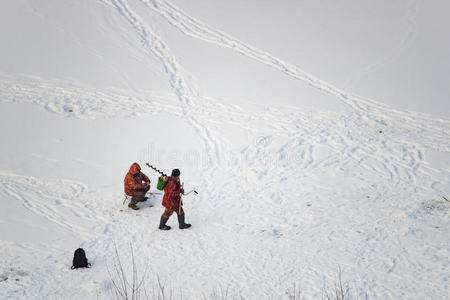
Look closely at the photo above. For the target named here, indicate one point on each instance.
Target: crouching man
(136, 185)
(172, 201)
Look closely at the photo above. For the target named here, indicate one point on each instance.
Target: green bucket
(162, 181)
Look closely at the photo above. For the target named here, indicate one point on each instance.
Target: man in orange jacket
(136, 185)
(172, 201)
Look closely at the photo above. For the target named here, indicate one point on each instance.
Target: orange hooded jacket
(135, 180)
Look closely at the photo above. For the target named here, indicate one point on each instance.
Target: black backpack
(79, 259)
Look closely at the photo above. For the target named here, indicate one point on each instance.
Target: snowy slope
(258, 104)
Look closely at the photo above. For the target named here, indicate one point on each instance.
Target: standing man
(136, 185)
(172, 201)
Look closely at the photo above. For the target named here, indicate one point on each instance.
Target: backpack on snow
(79, 259)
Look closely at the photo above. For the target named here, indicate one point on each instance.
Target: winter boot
(181, 222)
(162, 224)
(133, 206)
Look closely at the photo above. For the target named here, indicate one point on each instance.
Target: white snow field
(317, 134)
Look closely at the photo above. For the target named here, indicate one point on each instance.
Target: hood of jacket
(135, 168)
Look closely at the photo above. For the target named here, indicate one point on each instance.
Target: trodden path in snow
(311, 190)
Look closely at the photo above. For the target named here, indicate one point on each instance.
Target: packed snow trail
(311, 190)
(75, 100)
(195, 28)
(371, 111)
(186, 93)
(56, 200)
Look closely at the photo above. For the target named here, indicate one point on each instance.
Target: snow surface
(258, 104)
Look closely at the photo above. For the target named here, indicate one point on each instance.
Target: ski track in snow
(293, 145)
(187, 94)
(197, 29)
(74, 100)
(53, 199)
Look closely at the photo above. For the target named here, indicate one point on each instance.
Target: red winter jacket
(172, 191)
(136, 182)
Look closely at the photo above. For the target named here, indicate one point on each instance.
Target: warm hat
(175, 173)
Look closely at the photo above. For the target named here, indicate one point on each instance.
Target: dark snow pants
(138, 196)
(168, 212)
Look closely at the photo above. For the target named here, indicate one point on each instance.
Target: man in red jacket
(172, 201)
(136, 185)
